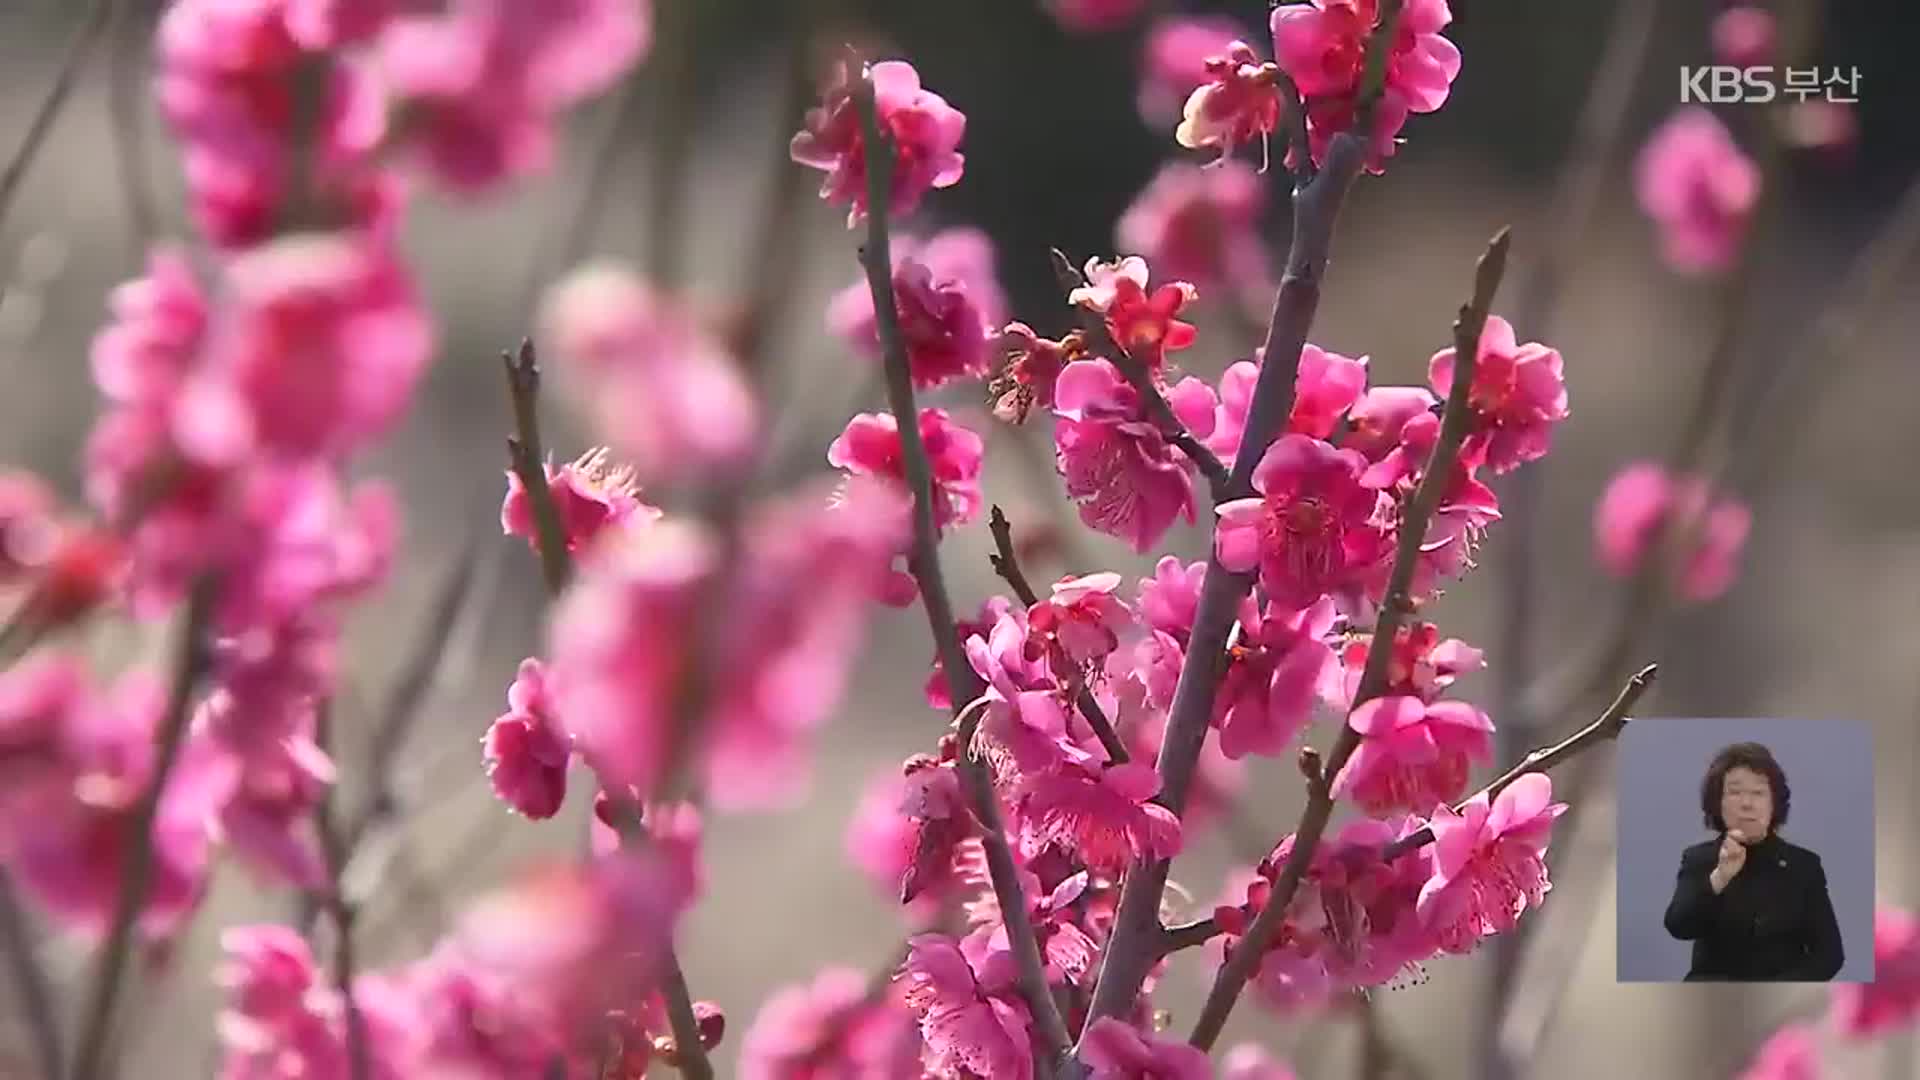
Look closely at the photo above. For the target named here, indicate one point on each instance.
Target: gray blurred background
(1818, 627)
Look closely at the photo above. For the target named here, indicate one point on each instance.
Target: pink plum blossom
(617, 644)
(1141, 322)
(1238, 102)
(28, 532)
(1326, 386)
(1322, 45)
(1489, 863)
(922, 129)
(1199, 224)
(1249, 1062)
(1094, 16)
(1103, 813)
(1698, 188)
(905, 828)
(1422, 665)
(1279, 667)
(1033, 368)
(1078, 625)
(1128, 480)
(1518, 397)
(1791, 1053)
(664, 392)
(1643, 501)
(482, 84)
(871, 446)
(281, 1017)
(949, 302)
(1743, 36)
(1892, 999)
(1119, 1051)
(85, 761)
(1376, 420)
(1170, 599)
(1025, 726)
(1312, 528)
(526, 752)
(591, 493)
(1351, 923)
(971, 1018)
(1174, 59)
(832, 1028)
(1413, 755)
(320, 343)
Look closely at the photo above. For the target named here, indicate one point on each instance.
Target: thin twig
(1606, 728)
(689, 1053)
(189, 664)
(1603, 729)
(963, 682)
(30, 981)
(1007, 565)
(1005, 875)
(334, 851)
(71, 64)
(1137, 932)
(528, 459)
(1244, 959)
(1137, 375)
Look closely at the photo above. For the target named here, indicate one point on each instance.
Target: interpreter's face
(1746, 803)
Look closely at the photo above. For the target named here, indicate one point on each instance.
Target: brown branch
(1155, 403)
(30, 981)
(1240, 965)
(1297, 141)
(1007, 565)
(71, 64)
(1004, 872)
(190, 662)
(528, 460)
(1137, 931)
(334, 851)
(689, 1053)
(963, 683)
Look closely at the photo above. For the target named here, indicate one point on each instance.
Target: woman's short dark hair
(1754, 757)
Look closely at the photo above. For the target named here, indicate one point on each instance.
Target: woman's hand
(1733, 856)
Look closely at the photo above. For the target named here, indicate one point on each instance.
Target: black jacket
(1773, 921)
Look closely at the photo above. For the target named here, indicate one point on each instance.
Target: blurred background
(673, 172)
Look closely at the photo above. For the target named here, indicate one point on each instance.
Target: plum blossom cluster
(520, 985)
(1319, 47)
(242, 374)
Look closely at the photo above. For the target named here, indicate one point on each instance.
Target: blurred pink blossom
(1698, 187)
(1643, 501)
(1128, 480)
(1119, 1051)
(1174, 59)
(949, 303)
(526, 752)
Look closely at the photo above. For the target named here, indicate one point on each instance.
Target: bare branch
(1240, 965)
(191, 653)
(963, 683)
(30, 981)
(78, 50)
(528, 460)
(334, 851)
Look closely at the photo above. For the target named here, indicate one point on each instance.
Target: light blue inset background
(1829, 765)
